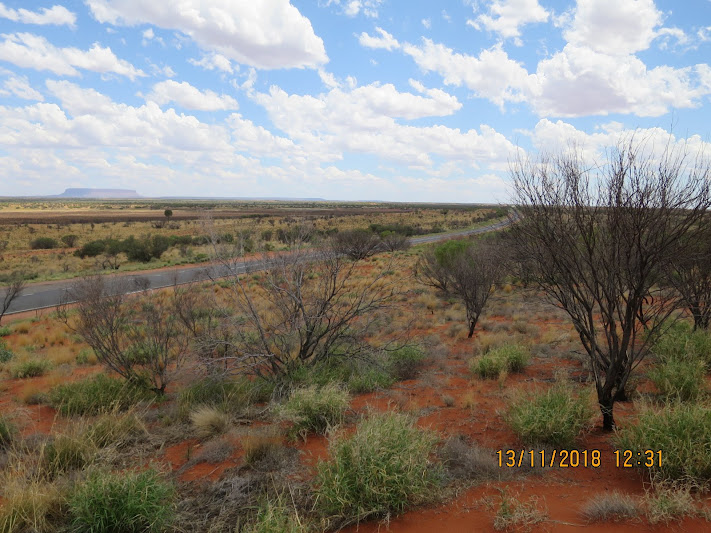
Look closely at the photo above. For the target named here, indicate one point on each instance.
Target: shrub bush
(381, 469)
(43, 243)
(679, 379)
(209, 421)
(556, 416)
(315, 408)
(227, 395)
(5, 353)
(133, 502)
(4, 332)
(96, 395)
(682, 432)
(7, 431)
(30, 368)
(680, 342)
(70, 241)
(507, 358)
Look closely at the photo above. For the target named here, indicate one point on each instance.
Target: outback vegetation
(330, 376)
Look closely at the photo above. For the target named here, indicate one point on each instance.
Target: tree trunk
(608, 421)
(472, 325)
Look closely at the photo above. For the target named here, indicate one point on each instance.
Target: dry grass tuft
(209, 421)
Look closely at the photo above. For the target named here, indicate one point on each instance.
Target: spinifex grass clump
(679, 379)
(7, 431)
(133, 502)
(508, 358)
(682, 432)
(556, 416)
(381, 469)
(31, 368)
(96, 395)
(227, 395)
(680, 342)
(315, 408)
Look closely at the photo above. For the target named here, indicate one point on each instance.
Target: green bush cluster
(227, 395)
(315, 408)
(43, 243)
(30, 368)
(682, 432)
(133, 502)
(381, 469)
(557, 416)
(143, 249)
(5, 353)
(96, 395)
(507, 358)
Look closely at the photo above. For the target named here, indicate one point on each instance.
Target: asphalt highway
(50, 294)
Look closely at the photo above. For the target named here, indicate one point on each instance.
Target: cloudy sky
(407, 100)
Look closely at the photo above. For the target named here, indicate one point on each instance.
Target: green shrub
(556, 416)
(382, 468)
(276, 517)
(404, 362)
(31, 368)
(7, 431)
(225, 394)
(5, 353)
(70, 241)
(96, 395)
(315, 408)
(507, 358)
(682, 432)
(43, 243)
(128, 502)
(680, 342)
(5, 331)
(679, 379)
(65, 453)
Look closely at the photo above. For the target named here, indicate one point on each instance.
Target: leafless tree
(467, 270)
(690, 275)
(307, 306)
(600, 238)
(12, 290)
(394, 241)
(140, 339)
(356, 244)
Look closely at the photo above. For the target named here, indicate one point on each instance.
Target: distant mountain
(99, 193)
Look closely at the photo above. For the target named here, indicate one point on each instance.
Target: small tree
(140, 339)
(356, 244)
(392, 241)
(70, 241)
(601, 238)
(12, 290)
(168, 213)
(690, 275)
(465, 270)
(307, 307)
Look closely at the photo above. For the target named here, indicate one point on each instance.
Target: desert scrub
(227, 395)
(507, 358)
(610, 506)
(5, 353)
(680, 342)
(514, 515)
(115, 429)
(66, 452)
(96, 395)
(679, 379)
(276, 517)
(127, 502)
(682, 432)
(381, 469)
(209, 421)
(315, 409)
(666, 503)
(404, 362)
(31, 368)
(7, 431)
(556, 416)
(30, 506)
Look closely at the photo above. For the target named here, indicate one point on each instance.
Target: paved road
(49, 294)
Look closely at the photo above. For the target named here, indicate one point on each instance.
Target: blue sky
(339, 99)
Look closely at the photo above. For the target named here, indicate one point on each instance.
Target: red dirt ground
(476, 414)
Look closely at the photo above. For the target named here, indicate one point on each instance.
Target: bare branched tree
(309, 305)
(690, 275)
(392, 241)
(13, 289)
(356, 244)
(467, 270)
(600, 238)
(139, 338)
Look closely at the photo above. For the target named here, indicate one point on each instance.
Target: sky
(387, 100)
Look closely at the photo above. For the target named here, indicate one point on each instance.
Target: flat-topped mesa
(99, 193)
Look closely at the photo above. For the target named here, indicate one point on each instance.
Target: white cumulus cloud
(267, 34)
(386, 41)
(36, 52)
(55, 15)
(507, 17)
(189, 97)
